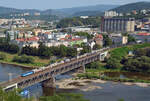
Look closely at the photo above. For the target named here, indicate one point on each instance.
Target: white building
(80, 29)
(84, 17)
(12, 34)
(56, 43)
(111, 13)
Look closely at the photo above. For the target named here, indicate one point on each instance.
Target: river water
(9, 71)
(108, 91)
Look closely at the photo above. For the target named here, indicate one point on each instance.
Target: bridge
(47, 76)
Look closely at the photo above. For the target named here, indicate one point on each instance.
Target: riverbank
(89, 84)
(38, 62)
(78, 84)
(19, 65)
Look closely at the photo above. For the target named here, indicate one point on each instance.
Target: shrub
(113, 63)
(23, 59)
(94, 65)
(2, 56)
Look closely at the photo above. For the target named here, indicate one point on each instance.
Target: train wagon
(27, 73)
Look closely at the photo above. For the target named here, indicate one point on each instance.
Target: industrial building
(118, 25)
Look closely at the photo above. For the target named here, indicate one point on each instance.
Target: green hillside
(132, 6)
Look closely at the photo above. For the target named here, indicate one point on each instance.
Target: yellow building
(36, 31)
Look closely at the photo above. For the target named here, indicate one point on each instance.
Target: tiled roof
(28, 39)
(144, 34)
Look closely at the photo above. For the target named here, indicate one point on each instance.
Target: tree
(23, 59)
(71, 52)
(24, 36)
(107, 41)
(141, 52)
(96, 46)
(63, 51)
(8, 38)
(125, 34)
(3, 40)
(86, 49)
(2, 56)
(44, 51)
(85, 34)
(64, 97)
(10, 48)
(131, 39)
(13, 49)
(140, 64)
(12, 96)
(113, 63)
(93, 65)
(29, 51)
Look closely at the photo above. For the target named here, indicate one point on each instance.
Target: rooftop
(28, 39)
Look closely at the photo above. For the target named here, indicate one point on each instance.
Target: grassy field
(38, 62)
(123, 51)
(115, 53)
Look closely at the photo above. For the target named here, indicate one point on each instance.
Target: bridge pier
(81, 69)
(49, 87)
(103, 55)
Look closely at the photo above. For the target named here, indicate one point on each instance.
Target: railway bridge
(47, 76)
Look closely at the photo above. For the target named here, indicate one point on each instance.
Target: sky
(57, 4)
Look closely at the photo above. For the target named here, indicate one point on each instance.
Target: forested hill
(85, 10)
(132, 6)
(100, 8)
(76, 21)
(6, 10)
(88, 13)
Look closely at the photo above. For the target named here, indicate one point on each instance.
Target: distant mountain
(88, 13)
(132, 6)
(54, 12)
(100, 8)
(6, 10)
(65, 12)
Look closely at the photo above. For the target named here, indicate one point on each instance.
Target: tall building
(118, 24)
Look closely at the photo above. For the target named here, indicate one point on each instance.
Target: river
(108, 91)
(14, 71)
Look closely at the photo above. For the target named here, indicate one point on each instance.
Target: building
(99, 39)
(22, 42)
(80, 29)
(124, 39)
(134, 12)
(111, 14)
(12, 34)
(118, 25)
(84, 17)
(37, 14)
(37, 31)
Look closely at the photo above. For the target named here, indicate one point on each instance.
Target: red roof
(68, 36)
(99, 36)
(144, 34)
(47, 33)
(28, 39)
(75, 39)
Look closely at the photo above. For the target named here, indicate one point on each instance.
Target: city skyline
(57, 4)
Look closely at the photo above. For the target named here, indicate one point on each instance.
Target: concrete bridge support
(49, 87)
(82, 69)
(103, 55)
